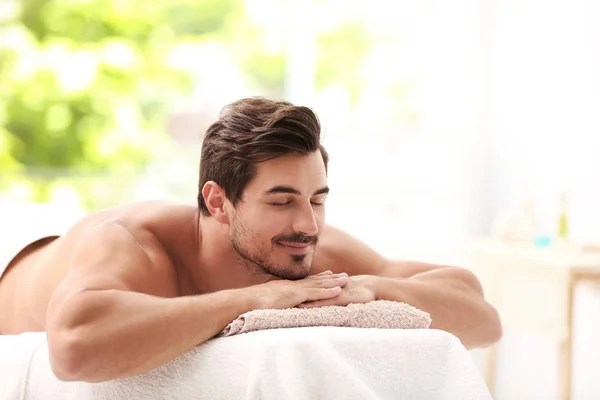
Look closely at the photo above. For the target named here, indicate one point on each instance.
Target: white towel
(297, 364)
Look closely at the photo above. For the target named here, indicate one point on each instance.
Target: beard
(257, 252)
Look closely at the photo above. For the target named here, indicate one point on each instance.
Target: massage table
(295, 363)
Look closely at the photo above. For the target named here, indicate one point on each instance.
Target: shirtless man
(128, 289)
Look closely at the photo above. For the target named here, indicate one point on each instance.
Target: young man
(130, 288)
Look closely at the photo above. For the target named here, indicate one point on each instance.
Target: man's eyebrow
(291, 190)
(282, 189)
(323, 190)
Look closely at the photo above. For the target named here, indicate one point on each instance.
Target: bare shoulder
(118, 248)
(134, 258)
(338, 251)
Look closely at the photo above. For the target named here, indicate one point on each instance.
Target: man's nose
(305, 222)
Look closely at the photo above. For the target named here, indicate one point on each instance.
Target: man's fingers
(319, 303)
(328, 281)
(321, 294)
(310, 304)
(325, 275)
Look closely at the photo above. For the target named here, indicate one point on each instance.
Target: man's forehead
(305, 173)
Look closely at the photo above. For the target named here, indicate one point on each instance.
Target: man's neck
(219, 266)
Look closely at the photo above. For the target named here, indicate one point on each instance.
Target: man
(130, 288)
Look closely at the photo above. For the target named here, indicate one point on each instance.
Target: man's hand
(359, 289)
(282, 294)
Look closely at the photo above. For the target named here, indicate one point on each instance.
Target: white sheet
(298, 364)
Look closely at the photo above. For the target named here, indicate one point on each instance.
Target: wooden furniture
(533, 290)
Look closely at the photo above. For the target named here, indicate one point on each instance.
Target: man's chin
(292, 273)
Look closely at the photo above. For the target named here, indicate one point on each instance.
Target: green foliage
(84, 85)
(340, 57)
(262, 58)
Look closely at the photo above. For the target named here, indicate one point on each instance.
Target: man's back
(32, 277)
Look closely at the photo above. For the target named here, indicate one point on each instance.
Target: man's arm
(111, 317)
(108, 319)
(453, 296)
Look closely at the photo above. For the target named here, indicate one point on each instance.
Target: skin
(130, 288)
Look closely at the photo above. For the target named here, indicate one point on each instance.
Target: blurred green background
(445, 120)
(87, 86)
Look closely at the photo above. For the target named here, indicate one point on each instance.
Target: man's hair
(251, 131)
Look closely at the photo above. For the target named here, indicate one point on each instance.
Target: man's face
(277, 223)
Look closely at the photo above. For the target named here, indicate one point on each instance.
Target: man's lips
(295, 247)
(295, 244)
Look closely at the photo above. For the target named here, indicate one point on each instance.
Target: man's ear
(214, 198)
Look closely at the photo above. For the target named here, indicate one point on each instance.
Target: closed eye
(287, 203)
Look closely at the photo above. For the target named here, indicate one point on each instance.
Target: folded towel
(375, 314)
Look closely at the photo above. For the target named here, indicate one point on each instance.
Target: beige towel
(375, 314)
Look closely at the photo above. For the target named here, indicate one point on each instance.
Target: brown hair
(250, 131)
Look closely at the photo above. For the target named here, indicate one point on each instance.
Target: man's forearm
(108, 334)
(453, 299)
